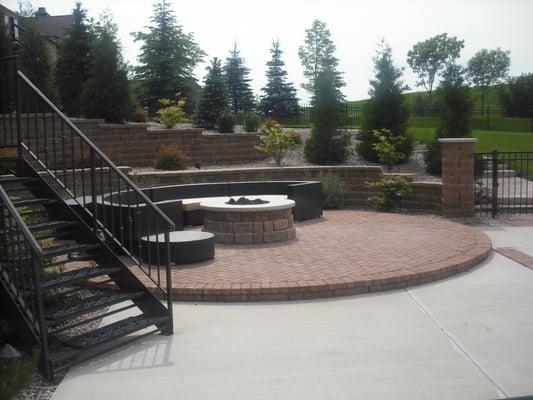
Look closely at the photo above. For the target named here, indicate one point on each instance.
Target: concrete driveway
(467, 337)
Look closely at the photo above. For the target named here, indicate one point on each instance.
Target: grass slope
(492, 97)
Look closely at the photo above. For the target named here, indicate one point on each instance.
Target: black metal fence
(352, 114)
(503, 183)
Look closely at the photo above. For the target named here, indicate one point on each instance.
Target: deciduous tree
(487, 68)
(429, 57)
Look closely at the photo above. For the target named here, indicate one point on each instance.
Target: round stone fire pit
(249, 223)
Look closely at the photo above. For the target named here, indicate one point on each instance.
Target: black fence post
(488, 118)
(494, 197)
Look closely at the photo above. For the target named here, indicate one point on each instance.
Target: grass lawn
(488, 140)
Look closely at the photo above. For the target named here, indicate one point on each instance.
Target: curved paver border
(473, 247)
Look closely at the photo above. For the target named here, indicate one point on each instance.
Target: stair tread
(17, 179)
(88, 304)
(61, 249)
(33, 202)
(52, 225)
(112, 331)
(77, 275)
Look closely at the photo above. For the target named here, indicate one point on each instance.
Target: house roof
(53, 26)
(7, 11)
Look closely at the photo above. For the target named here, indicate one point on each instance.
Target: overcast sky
(356, 26)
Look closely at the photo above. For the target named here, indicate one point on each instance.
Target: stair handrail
(36, 248)
(94, 148)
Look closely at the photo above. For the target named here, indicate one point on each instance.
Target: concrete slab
(487, 312)
(374, 346)
(518, 237)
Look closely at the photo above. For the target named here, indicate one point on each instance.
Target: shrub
(517, 96)
(251, 122)
(171, 158)
(139, 115)
(275, 142)
(226, 122)
(171, 113)
(16, 374)
(327, 145)
(387, 147)
(333, 192)
(390, 191)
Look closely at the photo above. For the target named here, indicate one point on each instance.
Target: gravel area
(39, 388)
(295, 157)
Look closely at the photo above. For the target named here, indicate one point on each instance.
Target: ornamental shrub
(389, 192)
(226, 122)
(275, 142)
(387, 147)
(171, 112)
(139, 115)
(251, 122)
(333, 192)
(171, 158)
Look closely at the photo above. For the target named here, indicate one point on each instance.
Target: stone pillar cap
(458, 140)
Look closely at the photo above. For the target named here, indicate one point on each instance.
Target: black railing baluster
(82, 174)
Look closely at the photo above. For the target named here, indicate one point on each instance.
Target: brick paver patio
(345, 252)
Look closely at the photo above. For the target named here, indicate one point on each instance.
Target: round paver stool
(185, 246)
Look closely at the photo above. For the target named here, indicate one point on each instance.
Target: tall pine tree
(74, 62)
(107, 94)
(241, 96)
(167, 60)
(214, 98)
(279, 99)
(317, 55)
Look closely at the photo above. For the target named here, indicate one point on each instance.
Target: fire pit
(252, 220)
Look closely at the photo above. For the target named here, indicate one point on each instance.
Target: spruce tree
(214, 98)
(327, 145)
(454, 107)
(241, 96)
(279, 99)
(167, 60)
(387, 107)
(107, 93)
(318, 55)
(73, 62)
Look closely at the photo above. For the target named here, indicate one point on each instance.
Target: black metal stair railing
(20, 270)
(82, 173)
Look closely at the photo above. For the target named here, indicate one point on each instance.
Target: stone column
(458, 177)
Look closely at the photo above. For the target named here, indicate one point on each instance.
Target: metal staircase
(56, 237)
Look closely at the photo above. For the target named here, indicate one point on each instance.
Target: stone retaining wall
(426, 195)
(134, 144)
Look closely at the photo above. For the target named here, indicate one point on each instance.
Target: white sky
(356, 27)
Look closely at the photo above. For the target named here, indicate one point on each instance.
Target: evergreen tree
(454, 106)
(167, 60)
(387, 107)
(327, 145)
(279, 99)
(241, 96)
(107, 93)
(73, 62)
(318, 55)
(214, 98)
(34, 59)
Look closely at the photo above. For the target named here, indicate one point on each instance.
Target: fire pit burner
(244, 201)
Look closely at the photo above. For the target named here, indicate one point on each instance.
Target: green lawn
(488, 140)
